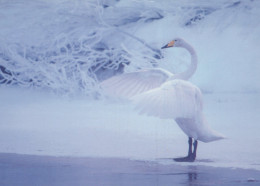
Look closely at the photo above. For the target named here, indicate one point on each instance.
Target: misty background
(53, 54)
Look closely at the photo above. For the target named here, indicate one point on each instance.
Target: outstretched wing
(174, 99)
(133, 83)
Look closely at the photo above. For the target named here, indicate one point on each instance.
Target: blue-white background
(54, 53)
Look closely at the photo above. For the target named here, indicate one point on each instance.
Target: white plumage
(157, 92)
(179, 100)
(173, 99)
(133, 83)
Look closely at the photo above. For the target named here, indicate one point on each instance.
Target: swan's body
(179, 100)
(160, 93)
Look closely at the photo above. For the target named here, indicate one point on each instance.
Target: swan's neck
(193, 65)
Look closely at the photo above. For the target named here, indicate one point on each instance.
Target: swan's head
(177, 42)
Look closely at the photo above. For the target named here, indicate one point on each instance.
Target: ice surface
(66, 47)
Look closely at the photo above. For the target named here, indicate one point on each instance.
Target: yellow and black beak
(171, 44)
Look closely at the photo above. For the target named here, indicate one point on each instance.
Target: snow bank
(67, 47)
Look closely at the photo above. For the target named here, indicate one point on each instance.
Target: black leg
(190, 146)
(191, 155)
(195, 145)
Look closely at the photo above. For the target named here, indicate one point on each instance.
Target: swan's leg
(195, 145)
(191, 155)
(190, 146)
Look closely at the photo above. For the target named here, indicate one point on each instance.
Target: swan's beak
(166, 46)
(171, 44)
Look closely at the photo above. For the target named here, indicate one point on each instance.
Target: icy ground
(34, 123)
(64, 48)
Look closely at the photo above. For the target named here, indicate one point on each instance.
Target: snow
(82, 42)
(53, 54)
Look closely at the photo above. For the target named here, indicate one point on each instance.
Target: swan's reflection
(192, 176)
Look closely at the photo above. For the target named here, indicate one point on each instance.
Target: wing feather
(133, 83)
(176, 98)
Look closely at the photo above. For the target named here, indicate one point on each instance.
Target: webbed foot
(190, 158)
(191, 154)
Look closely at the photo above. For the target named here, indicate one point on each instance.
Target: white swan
(159, 93)
(182, 101)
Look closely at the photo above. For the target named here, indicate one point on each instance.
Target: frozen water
(67, 47)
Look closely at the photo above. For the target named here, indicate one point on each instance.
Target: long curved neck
(193, 65)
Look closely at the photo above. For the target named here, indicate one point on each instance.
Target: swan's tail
(212, 135)
(207, 134)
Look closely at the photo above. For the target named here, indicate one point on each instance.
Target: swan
(182, 101)
(157, 92)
